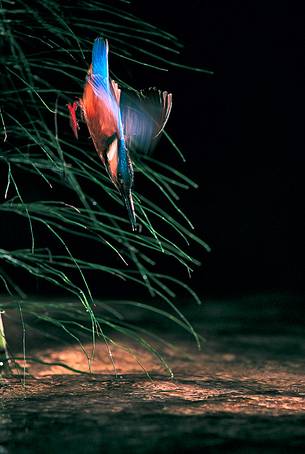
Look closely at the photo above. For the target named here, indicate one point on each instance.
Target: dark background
(242, 131)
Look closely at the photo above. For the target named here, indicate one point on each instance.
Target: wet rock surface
(244, 392)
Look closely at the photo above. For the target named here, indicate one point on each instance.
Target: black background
(242, 132)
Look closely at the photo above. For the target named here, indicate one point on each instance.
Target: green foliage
(47, 47)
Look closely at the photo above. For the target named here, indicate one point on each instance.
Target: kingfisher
(120, 122)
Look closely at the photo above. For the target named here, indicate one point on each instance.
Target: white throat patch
(112, 150)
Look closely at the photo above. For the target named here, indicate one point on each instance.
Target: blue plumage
(100, 59)
(120, 122)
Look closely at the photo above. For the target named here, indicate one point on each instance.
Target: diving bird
(120, 122)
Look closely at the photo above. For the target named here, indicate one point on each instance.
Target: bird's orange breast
(102, 124)
(99, 115)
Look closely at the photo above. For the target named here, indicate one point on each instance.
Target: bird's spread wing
(144, 115)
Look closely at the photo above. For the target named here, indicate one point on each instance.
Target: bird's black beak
(128, 201)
